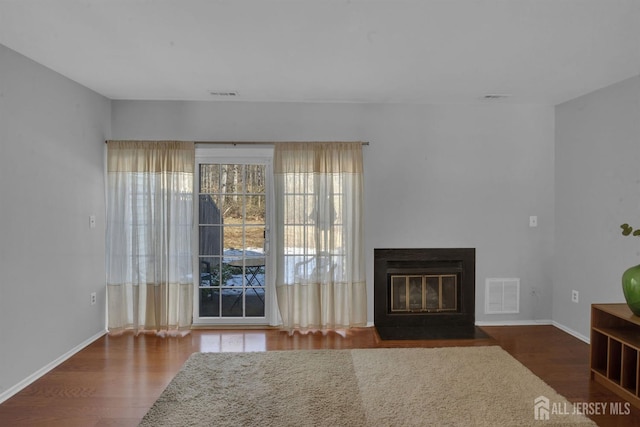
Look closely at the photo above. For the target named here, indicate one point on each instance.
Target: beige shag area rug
(458, 386)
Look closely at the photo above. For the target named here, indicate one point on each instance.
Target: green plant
(627, 230)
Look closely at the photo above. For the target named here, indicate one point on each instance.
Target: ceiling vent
(223, 93)
(495, 96)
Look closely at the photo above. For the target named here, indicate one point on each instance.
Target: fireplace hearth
(425, 293)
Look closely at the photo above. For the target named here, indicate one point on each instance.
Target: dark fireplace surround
(424, 323)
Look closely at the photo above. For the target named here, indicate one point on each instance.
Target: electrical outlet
(574, 296)
(93, 298)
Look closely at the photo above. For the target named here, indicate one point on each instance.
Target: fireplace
(425, 293)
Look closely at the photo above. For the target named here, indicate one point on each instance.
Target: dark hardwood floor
(115, 380)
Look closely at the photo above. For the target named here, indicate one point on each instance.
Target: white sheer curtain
(149, 226)
(320, 277)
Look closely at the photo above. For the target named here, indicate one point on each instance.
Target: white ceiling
(426, 51)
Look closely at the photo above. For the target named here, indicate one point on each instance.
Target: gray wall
(597, 189)
(52, 134)
(435, 176)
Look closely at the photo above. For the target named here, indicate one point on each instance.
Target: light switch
(92, 221)
(533, 221)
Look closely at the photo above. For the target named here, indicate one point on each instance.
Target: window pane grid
(236, 199)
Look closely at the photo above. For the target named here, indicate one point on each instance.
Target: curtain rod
(234, 143)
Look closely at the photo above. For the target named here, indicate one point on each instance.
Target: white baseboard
(513, 322)
(535, 322)
(504, 323)
(572, 332)
(48, 367)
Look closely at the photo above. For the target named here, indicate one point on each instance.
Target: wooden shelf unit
(615, 350)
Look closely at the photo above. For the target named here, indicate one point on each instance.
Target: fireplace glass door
(424, 293)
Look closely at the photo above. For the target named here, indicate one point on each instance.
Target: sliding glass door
(233, 286)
